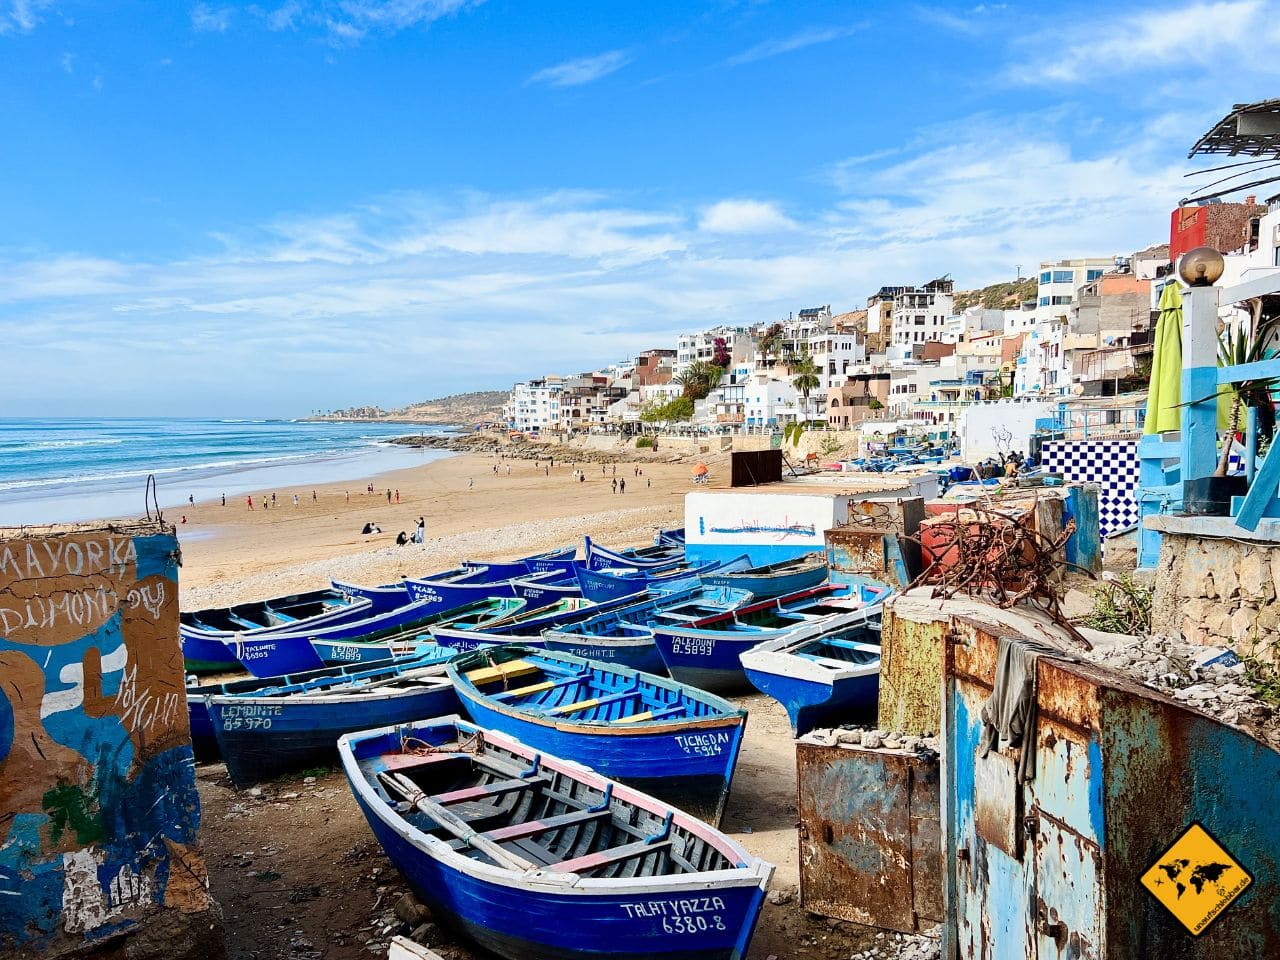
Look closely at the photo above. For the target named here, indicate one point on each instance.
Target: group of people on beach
(265, 501)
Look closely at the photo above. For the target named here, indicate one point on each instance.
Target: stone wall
(98, 803)
(1219, 591)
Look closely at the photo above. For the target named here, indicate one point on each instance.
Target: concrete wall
(1000, 426)
(1220, 592)
(98, 805)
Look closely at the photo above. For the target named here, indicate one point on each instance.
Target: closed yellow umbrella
(1164, 395)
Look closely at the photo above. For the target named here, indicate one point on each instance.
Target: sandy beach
(231, 553)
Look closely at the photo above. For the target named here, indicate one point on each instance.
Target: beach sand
(232, 554)
(293, 864)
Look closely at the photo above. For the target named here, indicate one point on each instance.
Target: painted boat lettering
(594, 653)
(259, 651)
(346, 652)
(693, 646)
(249, 716)
(703, 744)
(688, 916)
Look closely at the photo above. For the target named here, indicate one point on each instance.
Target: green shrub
(645, 441)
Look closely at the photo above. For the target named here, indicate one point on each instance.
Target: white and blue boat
(606, 583)
(657, 735)
(396, 633)
(670, 538)
(204, 632)
(774, 579)
(450, 594)
(658, 555)
(707, 653)
(821, 675)
(525, 626)
(388, 596)
(533, 857)
(264, 733)
(625, 635)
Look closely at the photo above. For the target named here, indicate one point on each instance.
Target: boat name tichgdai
(677, 908)
(704, 744)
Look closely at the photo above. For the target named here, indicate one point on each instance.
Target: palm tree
(1239, 346)
(700, 379)
(804, 376)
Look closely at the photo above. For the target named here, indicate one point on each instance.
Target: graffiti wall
(98, 805)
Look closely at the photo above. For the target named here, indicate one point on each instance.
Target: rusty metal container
(870, 838)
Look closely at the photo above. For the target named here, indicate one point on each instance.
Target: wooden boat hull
(602, 585)
(543, 914)
(813, 703)
(598, 557)
(449, 595)
(203, 654)
(688, 763)
(637, 652)
(261, 738)
(765, 585)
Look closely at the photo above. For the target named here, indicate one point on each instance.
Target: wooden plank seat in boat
(282, 617)
(853, 645)
(542, 687)
(588, 704)
(524, 831)
(651, 714)
(241, 621)
(604, 858)
(501, 671)
(495, 788)
(829, 662)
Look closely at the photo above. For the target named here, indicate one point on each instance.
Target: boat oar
(453, 823)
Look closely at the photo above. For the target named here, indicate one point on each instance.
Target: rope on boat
(415, 747)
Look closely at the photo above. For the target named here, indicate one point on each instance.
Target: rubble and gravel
(875, 739)
(902, 946)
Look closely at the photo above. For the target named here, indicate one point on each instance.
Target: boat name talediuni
(673, 908)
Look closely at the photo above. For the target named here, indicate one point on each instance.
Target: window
(1093, 275)
(1063, 276)
(1045, 277)
(1044, 301)
(1059, 301)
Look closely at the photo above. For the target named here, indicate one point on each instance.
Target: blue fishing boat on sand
(388, 596)
(204, 632)
(607, 583)
(774, 579)
(658, 555)
(534, 857)
(396, 633)
(625, 635)
(707, 653)
(205, 745)
(449, 594)
(821, 675)
(526, 626)
(657, 735)
(264, 733)
(670, 538)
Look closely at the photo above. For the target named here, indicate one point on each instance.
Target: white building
(691, 347)
(836, 355)
(770, 402)
(1060, 281)
(534, 406)
(976, 319)
(920, 316)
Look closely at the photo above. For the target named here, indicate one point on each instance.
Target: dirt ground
(299, 875)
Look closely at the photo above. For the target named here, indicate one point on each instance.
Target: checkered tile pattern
(1112, 465)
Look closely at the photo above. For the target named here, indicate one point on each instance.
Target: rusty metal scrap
(992, 556)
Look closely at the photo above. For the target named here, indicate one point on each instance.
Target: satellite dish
(1078, 390)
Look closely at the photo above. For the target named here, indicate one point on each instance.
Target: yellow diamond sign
(1196, 879)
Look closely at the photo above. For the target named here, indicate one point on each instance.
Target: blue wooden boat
(525, 626)
(534, 857)
(655, 556)
(670, 538)
(375, 638)
(625, 635)
(675, 742)
(450, 594)
(775, 579)
(821, 675)
(608, 583)
(265, 733)
(204, 632)
(551, 560)
(203, 742)
(707, 653)
(388, 596)
(539, 592)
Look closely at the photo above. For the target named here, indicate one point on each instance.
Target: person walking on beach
(224, 499)
(313, 496)
(615, 469)
(471, 483)
(348, 493)
(191, 499)
(295, 499)
(249, 500)
(508, 469)
(273, 498)
(614, 485)
(397, 496)
(622, 485)
(582, 476)
(388, 496)
(647, 483)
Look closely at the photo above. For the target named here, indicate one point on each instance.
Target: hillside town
(1071, 344)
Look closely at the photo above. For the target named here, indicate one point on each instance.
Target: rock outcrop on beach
(491, 443)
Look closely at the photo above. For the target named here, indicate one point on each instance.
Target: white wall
(1000, 426)
(750, 519)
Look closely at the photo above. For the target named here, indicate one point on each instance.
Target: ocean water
(56, 470)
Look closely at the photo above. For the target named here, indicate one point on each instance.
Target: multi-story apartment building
(691, 347)
(653, 366)
(920, 316)
(534, 406)
(862, 396)
(880, 319)
(1059, 284)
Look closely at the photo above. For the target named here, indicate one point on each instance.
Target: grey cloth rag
(1009, 715)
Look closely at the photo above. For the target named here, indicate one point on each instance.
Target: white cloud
(206, 18)
(798, 41)
(68, 62)
(22, 15)
(971, 21)
(284, 17)
(743, 216)
(1227, 35)
(575, 73)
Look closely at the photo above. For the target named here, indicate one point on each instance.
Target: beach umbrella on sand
(700, 470)
(1164, 395)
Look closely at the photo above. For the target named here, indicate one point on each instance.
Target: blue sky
(262, 209)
